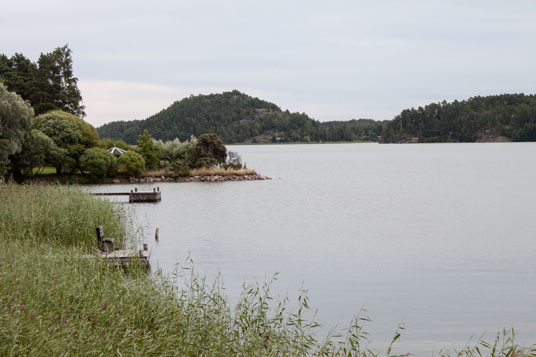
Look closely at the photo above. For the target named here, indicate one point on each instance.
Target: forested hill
(238, 118)
(494, 118)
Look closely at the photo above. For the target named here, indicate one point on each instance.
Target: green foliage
(37, 151)
(236, 117)
(477, 119)
(15, 120)
(148, 149)
(132, 163)
(526, 133)
(209, 150)
(177, 155)
(98, 162)
(109, 143)
(48, 84)
(68, 132)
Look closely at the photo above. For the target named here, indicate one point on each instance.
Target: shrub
(98, 162)
(176, 152)
(132, 162)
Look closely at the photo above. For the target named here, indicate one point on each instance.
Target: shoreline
(200, 178)
(82, 180)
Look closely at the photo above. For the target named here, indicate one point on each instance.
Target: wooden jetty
(121, 257)
(135, 196)
(126, 257)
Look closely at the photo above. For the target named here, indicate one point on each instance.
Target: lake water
(441, 237)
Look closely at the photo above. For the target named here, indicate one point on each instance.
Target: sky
(334, 60)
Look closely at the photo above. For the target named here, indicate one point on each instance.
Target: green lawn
(48, 170)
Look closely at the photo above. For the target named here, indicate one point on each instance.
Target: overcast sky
(334, 60)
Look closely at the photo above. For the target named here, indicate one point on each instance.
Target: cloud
(332, 60)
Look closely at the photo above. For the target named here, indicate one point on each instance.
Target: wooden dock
(135, 196)
(126, 257)
(120, 257)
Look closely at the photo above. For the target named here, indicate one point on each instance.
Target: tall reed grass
(56, 300)
(57, 215)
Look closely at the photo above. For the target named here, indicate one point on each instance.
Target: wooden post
(135, 189)
(156, 235)
(145, 246)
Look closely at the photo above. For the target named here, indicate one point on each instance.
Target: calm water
(440, 236)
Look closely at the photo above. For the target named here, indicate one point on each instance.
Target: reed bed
(56, 300)
(57, 215)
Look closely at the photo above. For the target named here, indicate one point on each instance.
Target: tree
(38, 150)
(56, 86)
(15, 120)
(131, 163)
(234, 160)
(48, 84)
(18, 74)
(98, 162)
(148, 149)
(68, 132)
(210, 150)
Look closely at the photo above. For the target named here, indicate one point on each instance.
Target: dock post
(145, 246)
(156, 234)
(135, 189)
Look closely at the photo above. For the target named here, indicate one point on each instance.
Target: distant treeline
(492, 118)
(238, 118)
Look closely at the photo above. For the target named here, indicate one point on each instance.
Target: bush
(132, 162)
(68, 132)
(98, 162)
(177, 152)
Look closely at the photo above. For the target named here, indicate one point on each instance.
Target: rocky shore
(211, 178)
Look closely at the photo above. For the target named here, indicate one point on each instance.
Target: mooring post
(158, 188)
(135, 189)
(144, 246)
(156, 235)
(154, 189)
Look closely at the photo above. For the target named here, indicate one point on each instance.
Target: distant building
(115, 151)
